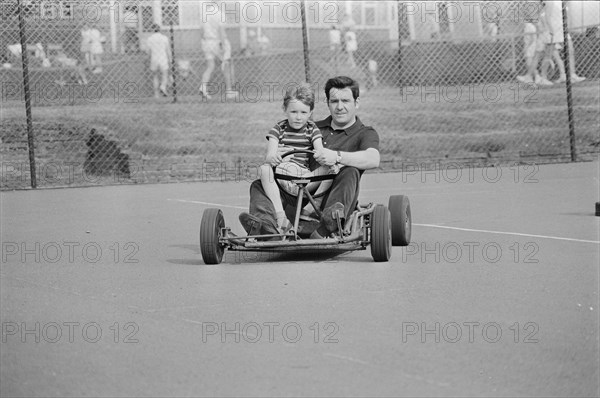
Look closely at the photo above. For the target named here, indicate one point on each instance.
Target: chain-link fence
(438, 82)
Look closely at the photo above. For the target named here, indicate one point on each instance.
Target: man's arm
(363, 160)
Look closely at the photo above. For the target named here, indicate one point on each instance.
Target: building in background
(128, 22)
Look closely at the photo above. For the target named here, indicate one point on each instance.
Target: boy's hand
(273, 158)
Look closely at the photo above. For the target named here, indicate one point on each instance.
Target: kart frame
(373, 225)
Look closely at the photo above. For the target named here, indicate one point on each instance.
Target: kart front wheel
(210, 231)
(381, 234)
(401, 220)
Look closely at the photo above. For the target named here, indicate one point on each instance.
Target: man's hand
(326, 157)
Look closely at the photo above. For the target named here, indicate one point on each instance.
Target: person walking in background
(534, 46)
(214, 44)
(351, 45)
(555, 42)
(160, 58)
(96, 49)
(335, 43)
(86, 46)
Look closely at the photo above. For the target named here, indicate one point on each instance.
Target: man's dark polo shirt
(357, 137)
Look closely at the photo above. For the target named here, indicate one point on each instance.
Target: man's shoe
(544, 82)
(315, 235)
(251, 224)
(330, 216)
(577, 79)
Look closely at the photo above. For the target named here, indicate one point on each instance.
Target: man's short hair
(155, 27)
(342, 82)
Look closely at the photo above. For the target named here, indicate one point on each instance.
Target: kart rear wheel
(210, 231)
(381, 234)
(399, 206)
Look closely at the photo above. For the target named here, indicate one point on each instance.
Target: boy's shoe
(163, 92)
(285, 226)
(577, 79)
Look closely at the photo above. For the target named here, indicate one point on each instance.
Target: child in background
(294, 132)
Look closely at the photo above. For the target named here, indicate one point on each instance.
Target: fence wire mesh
(438, 82)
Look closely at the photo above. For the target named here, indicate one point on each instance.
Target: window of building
(404, 25)
(147, 18)
(370, 15)
(170, 12)
(444, 19)
(357, 15)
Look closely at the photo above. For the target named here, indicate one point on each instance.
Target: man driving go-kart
(339, 221)
(348, 143)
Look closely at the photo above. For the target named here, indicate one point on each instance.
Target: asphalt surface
(104, 293)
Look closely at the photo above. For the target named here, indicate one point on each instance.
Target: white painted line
(428, 225)
(508, 233)
(208, 203)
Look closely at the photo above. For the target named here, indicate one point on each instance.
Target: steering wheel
(293, 178)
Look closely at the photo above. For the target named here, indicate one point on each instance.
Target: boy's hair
(303, 92)
(155, 27)
(342, 82)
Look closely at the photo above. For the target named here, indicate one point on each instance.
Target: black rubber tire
(381, 234)
(399, 207)
(210, 231)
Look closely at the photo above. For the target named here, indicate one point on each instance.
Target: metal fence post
(173, 70)
(400, 17)
(305, 42)
(568, 72)
(25, 60)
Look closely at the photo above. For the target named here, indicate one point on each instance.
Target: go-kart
(372, 225)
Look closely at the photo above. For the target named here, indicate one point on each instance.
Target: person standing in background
(214, 44)
(351, 45)
(160, 58)
(96, 49)
(555, 42)
(534, 45)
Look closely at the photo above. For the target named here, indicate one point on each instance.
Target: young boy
(294, 132)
